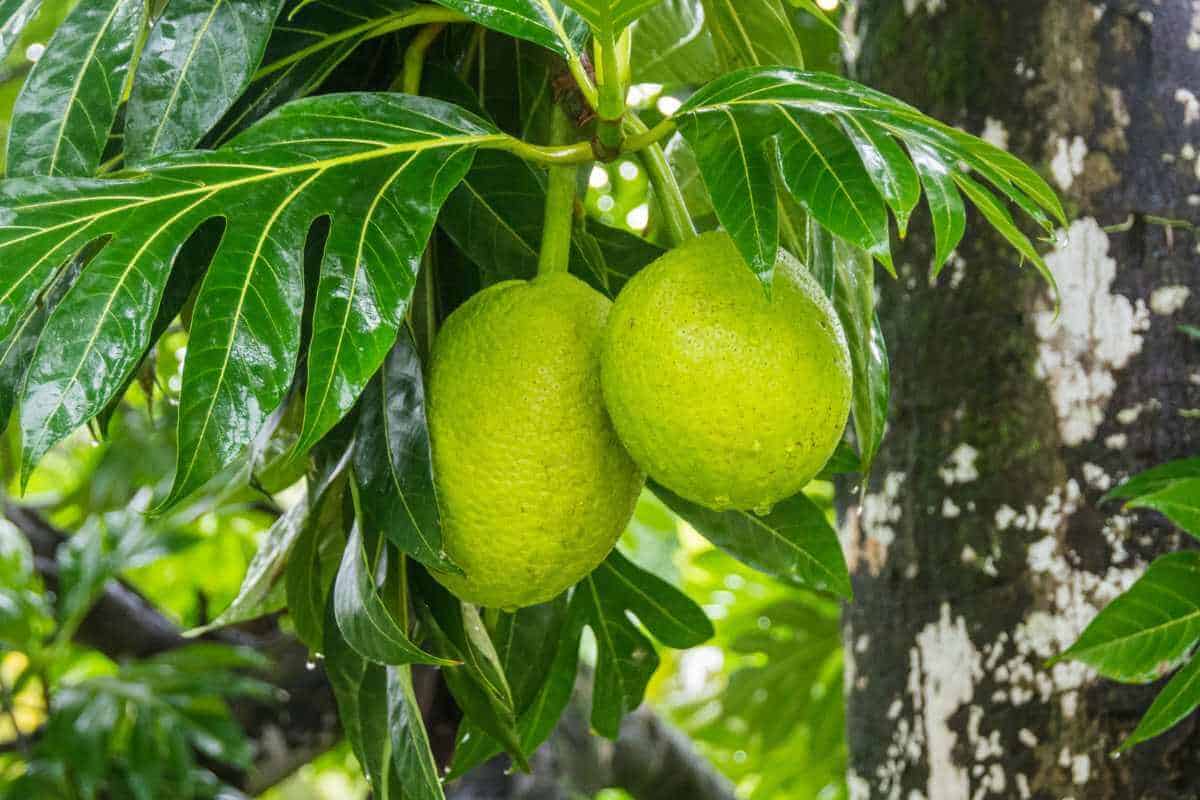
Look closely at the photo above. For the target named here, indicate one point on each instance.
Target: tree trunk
(980, 550)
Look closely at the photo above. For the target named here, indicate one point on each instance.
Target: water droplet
(764, 509)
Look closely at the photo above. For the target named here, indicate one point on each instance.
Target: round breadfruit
(533, 484)
(728, 397)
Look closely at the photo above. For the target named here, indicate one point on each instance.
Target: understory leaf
(794, 542)
(753, 33)
(1148, 629)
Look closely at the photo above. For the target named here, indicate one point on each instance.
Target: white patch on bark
(1098, 333)
(949, 509)
(948, 665)
(1096, 477)
(960, 466)
(1068, 160)
(1116, 442)
(1187, 98)
(880, 512)
(994, 132)
(931, 6)
(1166, 300)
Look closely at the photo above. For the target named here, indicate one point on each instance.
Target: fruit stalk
(670, 197)
(555, 255)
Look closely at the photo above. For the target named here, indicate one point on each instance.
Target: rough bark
(651, 760)
(980, 550)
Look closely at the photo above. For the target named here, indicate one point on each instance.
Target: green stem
(555, 255)
(417, 15)
(580, 152)
(414, 56)
(611, 107)
(666, 187)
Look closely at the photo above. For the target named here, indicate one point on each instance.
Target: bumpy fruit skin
(728, 398)
(534, 486)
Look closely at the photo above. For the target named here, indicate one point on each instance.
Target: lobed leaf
(670, 615)
(380, 167)
(625, 658)
(62, 116)
(196, 62)
(830, 135)
(673, 45)
(1149, 628)
(794, 542)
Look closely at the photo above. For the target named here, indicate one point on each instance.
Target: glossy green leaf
(16, 351)
(312, 564)
(817, 13)
(1148, 629)
(822, 169)
(495, 216)
(478, 683)
(625, 658)
(609, 17)
(360, 690)
(263, 588)
(543, 22)
(737, 173)
(370, 268)
(746, 110)
(844, 461)
(539, 652)
(753, 33)
(1178, 698)
(945, 204)
(673, 46)
(670, 615)
(1179, 502)
(392, 463)
(310, 39)
(854, 299)
(197, 61)
(412, 758)
(1002, 221)
(375, 163)
(1155, 479)
(890, 169)
(62, 116)
(14, 16)
(794, 542)
(608, 257)
(361, 614)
